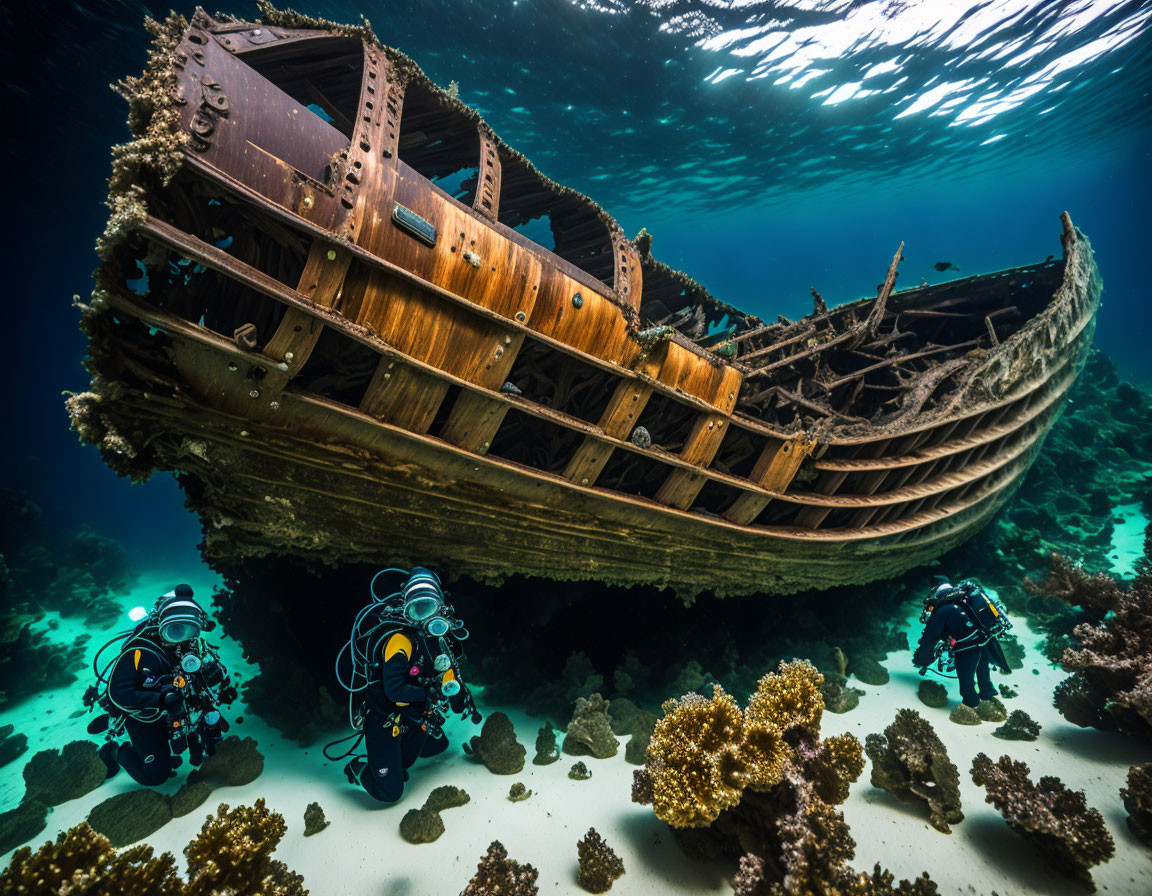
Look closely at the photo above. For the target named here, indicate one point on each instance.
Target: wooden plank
(681, 487)
(321, 280)
(774, 470)
(624, 408)
(403, 396)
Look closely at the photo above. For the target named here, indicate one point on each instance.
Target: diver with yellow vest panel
(405, 679)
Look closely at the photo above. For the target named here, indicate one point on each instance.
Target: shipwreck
(318, 306)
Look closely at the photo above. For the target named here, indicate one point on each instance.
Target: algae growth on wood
(315, 306)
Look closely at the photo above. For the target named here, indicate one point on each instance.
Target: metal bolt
(521, 316)
(331, 254)
(244, 433)
(577, 300)
(507, 339)
(306, 203)
(232, 366)
(255, 393)
(275, 405)
(288, 356)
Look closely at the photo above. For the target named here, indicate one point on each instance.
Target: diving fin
(99, 724)
(996, 655)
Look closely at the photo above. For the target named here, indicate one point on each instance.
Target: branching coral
(498, 875)
(758, 781)
(1111, 682)
(599, 866)
(1056, 821)
(231, 854)
(910, 761)
(1020, 726)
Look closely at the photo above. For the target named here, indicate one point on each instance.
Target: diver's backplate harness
(170, 632)
(420, 609)
(990, 621)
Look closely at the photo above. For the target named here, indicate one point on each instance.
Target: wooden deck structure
(319, 307)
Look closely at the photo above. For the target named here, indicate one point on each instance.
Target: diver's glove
(171, 699)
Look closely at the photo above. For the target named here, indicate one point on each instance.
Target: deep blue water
(769, 147)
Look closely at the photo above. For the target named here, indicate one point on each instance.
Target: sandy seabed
(361, 852)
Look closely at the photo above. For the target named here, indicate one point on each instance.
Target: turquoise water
(769, 147)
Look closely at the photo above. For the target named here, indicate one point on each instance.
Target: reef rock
(599, 866)
(189, 798)
(53, 777)
(964, 714)
(498, 875)
(840, 697)
(517, 793)
(21, 824)
(911, 762)
(547, 751)
(131, 816)
(421, 825)
(579, 772)
(12, 746)
(1056, 821)
(446, 797)
(991, 710)
(869, 671)
(932, 693)
(1020, 726)
(590, 731)
(314, 820)
(497, 747)
(235, 763)
(1137, 797)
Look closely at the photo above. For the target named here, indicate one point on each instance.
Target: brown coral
(590, 731)
(1056, 821)
(231, 854)
(1137, 797)
(910, 761)
(1111, 682)
(498, 875)
(599, 866)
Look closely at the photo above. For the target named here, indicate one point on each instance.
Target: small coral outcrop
(189, 798)
(932, 693)
(1137, 797)
(231, 854)
(517, 793)
(1020, 726)
(964, 714)
(590, 731)
(599, 866)
(131, 816)
(547, 751)
(424, 825)
(991, 710)
(911, 762)
(314, 820)
(53, 777)
(1111, 662)
(1056, 821)
(12, 746)
(579, 772)
(497, 747)
(498, 875)
(21, 824)
(421, 826)
(869, 671)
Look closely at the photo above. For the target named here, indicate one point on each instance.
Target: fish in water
(945, 266)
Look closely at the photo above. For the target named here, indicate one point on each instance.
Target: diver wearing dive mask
(405, 678)
(163, 689)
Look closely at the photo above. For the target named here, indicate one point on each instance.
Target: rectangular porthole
(412, 224)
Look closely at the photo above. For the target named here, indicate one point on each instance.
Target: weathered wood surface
(381, 415)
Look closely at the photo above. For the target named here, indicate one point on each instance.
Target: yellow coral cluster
(705, 752)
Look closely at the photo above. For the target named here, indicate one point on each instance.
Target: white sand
(362, 852)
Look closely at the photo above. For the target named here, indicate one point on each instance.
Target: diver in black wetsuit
(163, 690)
(405, 679)
(962, 623)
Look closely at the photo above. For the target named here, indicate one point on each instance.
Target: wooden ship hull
(346, 356)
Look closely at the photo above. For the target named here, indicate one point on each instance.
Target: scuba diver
(405, 679)
(962, 624)
(164, 689)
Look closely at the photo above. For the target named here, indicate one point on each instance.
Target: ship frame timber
(343, 362)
